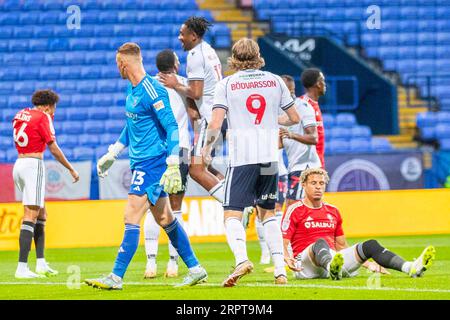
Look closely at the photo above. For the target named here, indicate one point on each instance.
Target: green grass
(218, 261)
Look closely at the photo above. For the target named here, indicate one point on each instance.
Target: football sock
(260, 233)
(172, 251)
(322, 254)
(180, 241)
(274, 239)
(279, 216)
(236, 239)
(25, 239)
(39, 238)
(217, 191)
(382, 256)
(151, 234)
(127, 249)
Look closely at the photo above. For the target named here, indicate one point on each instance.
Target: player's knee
(319, 245)
(369, 248)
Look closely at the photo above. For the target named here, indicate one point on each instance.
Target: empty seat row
(36, 5)
(342, 146)
(360, 132)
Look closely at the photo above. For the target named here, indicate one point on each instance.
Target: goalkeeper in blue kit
(151, 134)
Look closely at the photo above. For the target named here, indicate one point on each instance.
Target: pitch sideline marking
(313, 286)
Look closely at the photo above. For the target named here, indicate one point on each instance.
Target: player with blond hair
(250, 99)
(151, 133)
(314, 229)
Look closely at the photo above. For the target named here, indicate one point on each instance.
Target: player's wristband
(116, 148)
(173, 160)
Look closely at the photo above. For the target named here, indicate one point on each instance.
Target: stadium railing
(433, 102)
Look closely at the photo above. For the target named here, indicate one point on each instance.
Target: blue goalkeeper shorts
(146, 176)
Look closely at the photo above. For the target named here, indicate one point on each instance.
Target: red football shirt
(303, 225)
(33, 130)
(320, 146)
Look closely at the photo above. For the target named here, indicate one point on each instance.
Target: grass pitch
(218, 260)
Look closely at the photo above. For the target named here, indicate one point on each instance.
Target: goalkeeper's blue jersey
(151, 129)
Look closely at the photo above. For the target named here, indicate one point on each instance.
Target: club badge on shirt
(159, 105)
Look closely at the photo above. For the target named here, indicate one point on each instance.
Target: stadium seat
(2, 156)
(81, 100)
(427, 133)
(95, 127)
(86, 86)
(52, 58)
(442, 131)
(346, 120)
(11, 155)
(443, 143)
(72, 127)
(116, 113)
(361, 132)
(16, 103)
(105, 86)
(380, 145)
(77, 114)
(96, 113)
(83, 153)
(5, 128)
(443, 117)
(426, 119)
(103, 100)
(60, 114)
(100, 151)
(24, 87)
(74, 58)
(66, 86)
(67, 140)
(6, 88)
(338, 146)
(88, 140)
(108, 138)
(114, 126)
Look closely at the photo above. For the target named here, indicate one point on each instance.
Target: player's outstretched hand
(104, 163)
(171, 179)
(291, 263)
(75, 175)
(168, 80)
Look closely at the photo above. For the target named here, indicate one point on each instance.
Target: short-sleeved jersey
(178, 104)
(202, 63)
(301, 156)
(303, 225)
(151, 129)
(252, 99)
(320, 146)
(33, 130)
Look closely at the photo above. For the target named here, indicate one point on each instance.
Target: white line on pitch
(267, 285)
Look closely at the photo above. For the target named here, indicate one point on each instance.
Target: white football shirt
(302, 156)
(252, 99)
(203, 64)
(178, 104)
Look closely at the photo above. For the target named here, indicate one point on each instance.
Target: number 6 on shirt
(259, 111)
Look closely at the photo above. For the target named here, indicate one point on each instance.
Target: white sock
(151, 233)
(406, 267)
(279, 216)
(274, 239)
(41, 263)
(196, 269)
(172, 251)
(236, 238)
(22, 266)
(260, 233)
(217, 191)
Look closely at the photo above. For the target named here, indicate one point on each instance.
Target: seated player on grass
(314, 229)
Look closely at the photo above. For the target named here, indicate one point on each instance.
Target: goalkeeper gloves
(171, 179)
(106, 161)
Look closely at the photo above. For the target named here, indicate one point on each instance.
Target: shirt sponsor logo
(159, 105)
(313, 224)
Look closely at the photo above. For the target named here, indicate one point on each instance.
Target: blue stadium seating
(67, 140)
(83, 153)
(445, 144)
(72, 127)
(95, 127)
(2, 156)
(427, 133)
(345, 119)
(114, 126)
(11, 155)
(108, 138)
(380, 145)
(89, 140)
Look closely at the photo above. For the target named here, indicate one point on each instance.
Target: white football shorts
(29, 177)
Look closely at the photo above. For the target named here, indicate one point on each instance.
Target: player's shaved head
(245, 55)
(165, 60)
